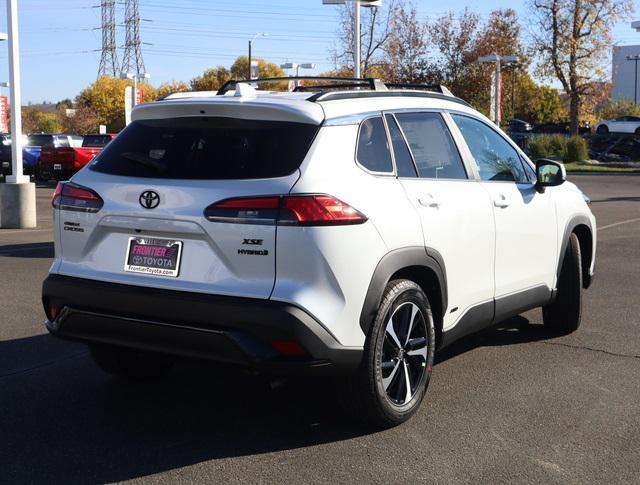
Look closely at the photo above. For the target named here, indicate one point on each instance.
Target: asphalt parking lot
(509, 405)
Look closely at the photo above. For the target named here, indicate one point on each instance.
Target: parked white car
(623, 124)
(352, 232)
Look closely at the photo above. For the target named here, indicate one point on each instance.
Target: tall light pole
(18, 195)
(635, 59)
(258, 34)
(356, 27)
(497, 82)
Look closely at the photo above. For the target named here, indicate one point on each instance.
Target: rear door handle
(428, 200)
(501, 201)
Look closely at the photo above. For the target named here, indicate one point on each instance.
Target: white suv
(351, 232)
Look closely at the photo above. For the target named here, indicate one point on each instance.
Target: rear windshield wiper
(146, 161)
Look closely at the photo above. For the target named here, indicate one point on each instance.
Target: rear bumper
(212, 327)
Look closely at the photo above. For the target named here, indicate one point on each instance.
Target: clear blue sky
(60, 39)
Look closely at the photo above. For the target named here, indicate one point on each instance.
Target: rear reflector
(298, 210)
(288, 347)
(73, 197)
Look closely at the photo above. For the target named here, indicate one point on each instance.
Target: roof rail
(346, 82)
(333, 96)
(436, 88)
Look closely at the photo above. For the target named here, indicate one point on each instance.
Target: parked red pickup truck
(62, 162)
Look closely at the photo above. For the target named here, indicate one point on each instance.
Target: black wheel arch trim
(390, 264)
(575, 221)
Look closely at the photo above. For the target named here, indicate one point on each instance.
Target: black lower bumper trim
(220, 328)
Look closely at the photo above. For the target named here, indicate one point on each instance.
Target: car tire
(602, 130)
(130, 364)
(637, 132)
(563, 315)
(377, 392)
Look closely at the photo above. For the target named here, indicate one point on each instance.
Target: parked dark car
(5, 154)
(519, 126)
(563, 128)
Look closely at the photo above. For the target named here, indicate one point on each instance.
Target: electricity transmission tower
(109, 58)
(132, 61)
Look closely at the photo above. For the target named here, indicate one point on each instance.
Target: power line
(109, 58)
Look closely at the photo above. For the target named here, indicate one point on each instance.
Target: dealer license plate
(159, 257)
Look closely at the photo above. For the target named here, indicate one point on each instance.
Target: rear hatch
(151, 186)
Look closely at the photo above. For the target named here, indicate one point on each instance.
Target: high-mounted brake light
(297, 210)
(74, 197)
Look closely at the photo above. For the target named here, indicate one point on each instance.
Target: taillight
(74, 197)
(318, 210)
(299, 210)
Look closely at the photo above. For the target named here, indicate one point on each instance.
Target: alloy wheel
(404, 353)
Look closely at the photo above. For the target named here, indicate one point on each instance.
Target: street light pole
(635, 59)
(357, 55)
(297, 67)
(497, 60)
(18, 195)
(258, 34)
(249, 66)
(356, 39)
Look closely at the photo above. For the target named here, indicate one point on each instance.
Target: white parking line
(615, 224)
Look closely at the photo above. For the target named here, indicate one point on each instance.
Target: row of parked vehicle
(53, 156)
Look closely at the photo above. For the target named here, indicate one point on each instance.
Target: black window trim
(521, 155)
(393, 150)
(377, 114)
(470, 174)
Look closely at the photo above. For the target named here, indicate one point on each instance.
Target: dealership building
(624, 74)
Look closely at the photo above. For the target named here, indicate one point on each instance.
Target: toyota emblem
(149, 199)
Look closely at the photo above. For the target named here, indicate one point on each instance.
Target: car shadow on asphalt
(515, 330)
(631, 198)
(63, 420)
(29, 250)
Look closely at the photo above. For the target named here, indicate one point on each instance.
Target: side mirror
(549, 173)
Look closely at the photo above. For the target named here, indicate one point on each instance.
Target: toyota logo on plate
(149, 199)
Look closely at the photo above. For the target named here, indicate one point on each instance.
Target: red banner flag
(4, 114)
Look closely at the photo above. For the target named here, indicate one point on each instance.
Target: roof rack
(335, 89)
(345, 82)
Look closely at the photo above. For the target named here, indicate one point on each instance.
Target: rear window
(207, 148)
(95, 141)
(40, 141)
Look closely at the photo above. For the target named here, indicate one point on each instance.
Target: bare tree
(572, 38)
(375, 32)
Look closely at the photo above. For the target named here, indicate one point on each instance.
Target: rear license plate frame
(143, 267)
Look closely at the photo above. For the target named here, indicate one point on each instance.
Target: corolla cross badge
(149, 199)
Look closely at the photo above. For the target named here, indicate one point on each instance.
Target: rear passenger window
(404, 162)
(432, 146)
(373, 147)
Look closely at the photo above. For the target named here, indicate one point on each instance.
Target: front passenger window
(495, 158)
